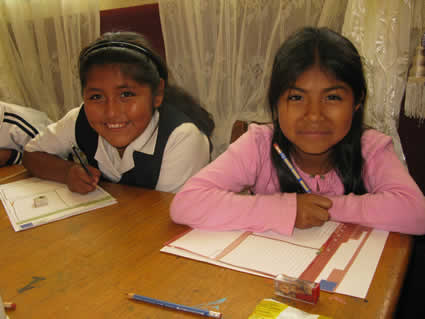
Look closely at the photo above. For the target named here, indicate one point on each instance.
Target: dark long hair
(336, 55)
(137, 59)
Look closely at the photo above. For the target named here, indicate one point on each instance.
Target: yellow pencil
(291, 168)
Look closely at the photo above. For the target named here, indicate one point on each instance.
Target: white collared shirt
(186, 151)
(113, 165)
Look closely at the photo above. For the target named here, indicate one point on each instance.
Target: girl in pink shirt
(316, 97)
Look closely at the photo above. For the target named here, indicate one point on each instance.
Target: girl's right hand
(79, 181)
(312, 210)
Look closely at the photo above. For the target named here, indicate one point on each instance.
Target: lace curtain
(40, 44)
(385, 33)
(222, 51)
(415, 91)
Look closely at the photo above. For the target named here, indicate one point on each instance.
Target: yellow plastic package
(272, 309)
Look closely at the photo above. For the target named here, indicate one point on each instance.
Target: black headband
(118, 44)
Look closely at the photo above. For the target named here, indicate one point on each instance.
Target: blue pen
(171, 305)
(291, 168)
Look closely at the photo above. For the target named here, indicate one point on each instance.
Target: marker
(9, 305)
(171, 305)
(291, 168)
(75, 150)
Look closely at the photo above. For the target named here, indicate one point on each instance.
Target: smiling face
(118, 108)
(316, 113)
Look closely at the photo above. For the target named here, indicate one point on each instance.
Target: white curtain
(415, 91)
(222, 51)
(40, 45)
(384, 33)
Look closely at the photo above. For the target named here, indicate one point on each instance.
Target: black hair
(336, 55)
(137, 59)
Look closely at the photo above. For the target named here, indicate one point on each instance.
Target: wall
(113, 4)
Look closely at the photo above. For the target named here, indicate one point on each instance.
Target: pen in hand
(84, 165)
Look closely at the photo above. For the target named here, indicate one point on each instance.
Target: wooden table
(83, 267)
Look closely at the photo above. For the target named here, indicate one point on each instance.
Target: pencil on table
(171, 305)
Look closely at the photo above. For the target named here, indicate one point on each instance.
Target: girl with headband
(133, 127)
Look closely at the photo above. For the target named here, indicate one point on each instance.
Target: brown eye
(127, 94)
(95, 97)
(334, 97)
(294, 97)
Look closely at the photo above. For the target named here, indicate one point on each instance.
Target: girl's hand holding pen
(79, 181)
(312, 210)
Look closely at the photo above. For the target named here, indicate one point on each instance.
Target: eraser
(40, 201)
(9, 305)
(297, 289)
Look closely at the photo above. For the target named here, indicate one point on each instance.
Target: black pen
(76, 152)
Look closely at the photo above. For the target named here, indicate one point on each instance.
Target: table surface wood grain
(83, 267)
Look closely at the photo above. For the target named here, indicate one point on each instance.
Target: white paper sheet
(18, 201)
(313, 237)
(270, 254)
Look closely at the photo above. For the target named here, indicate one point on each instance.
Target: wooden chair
(238, 128)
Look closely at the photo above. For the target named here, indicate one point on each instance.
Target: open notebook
(341, 257)
(32, 202)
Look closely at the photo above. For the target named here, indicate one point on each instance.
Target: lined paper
(348, 269)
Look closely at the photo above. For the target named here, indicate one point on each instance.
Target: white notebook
(341, 257)
(33, 202)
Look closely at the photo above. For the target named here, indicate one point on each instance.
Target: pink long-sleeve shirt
(211, 199)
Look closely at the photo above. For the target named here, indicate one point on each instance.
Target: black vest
(146, 168)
